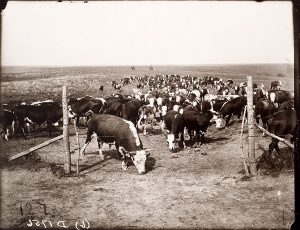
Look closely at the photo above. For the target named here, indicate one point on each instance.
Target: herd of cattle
(182, 105)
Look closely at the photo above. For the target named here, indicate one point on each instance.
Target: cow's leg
(227, 120)
(275, 141)
(100, 144)
(5, 130)
(123, 158)
(77, 121)
(49, 127)
(271, 148)
(87, 141)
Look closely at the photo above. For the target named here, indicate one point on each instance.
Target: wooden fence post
(251, 149)
(67, 163)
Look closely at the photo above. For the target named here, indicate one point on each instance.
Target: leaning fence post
(251, 150)
(67, 162)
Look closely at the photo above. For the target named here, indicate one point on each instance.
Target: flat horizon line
(144, 65)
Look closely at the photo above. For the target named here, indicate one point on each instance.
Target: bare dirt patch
(193, 188)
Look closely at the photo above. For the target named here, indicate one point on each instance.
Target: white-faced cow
(175, 127)
(108, 129)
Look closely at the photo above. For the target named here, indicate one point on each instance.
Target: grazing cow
(175, 127)
(7, 123)
(50, 113)
(108, 129)
(218, 103)
(281, 123)
(276, 84)
(101, 88)
(232, 107)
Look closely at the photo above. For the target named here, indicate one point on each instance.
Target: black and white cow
(232, 107)
(49, 113)
(175, 127)
(110, 128)
(81, 106)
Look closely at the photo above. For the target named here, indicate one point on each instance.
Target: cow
(49, 113)
(130, 110)
(7, 120)
(175, 127)
(203, 92)
(276, 84)
(264, 108)
(232, 107)
(101, 88)
(279, 96)
(281, 123)
(236, 89)
(108, 129)
(202, 106)
(146, 116)
(222, 90)
(218, 103)
(286, 105)
(81, 106)
(197, 123)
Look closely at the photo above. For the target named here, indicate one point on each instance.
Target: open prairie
(189, 189)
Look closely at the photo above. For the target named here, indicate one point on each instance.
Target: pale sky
(144, 33)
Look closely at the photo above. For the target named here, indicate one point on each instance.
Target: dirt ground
(193, 188)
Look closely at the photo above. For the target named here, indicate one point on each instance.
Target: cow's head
(139, 160)
(171, 142)
(220, 122)
(164, 110)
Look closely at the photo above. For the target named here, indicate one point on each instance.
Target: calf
(108, 129)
